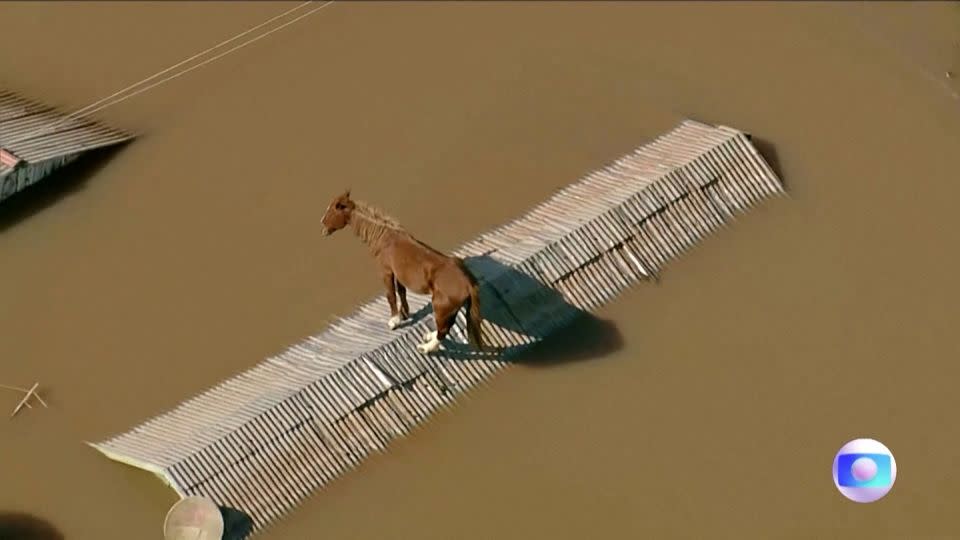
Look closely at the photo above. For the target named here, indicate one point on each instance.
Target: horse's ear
(347, 193)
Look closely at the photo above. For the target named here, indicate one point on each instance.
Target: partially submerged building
(266, 439)
(36, 139)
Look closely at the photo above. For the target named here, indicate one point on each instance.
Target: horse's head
(338, 213)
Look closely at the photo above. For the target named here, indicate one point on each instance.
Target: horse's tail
(474, 330)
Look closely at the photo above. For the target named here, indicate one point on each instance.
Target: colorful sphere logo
(864, 470)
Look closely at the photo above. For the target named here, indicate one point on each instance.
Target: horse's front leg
(390, 284)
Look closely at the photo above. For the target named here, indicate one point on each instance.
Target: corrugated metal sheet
(264, 440)
(38, 134)
(8, 159)
(7, 162)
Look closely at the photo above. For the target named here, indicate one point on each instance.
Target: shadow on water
(20, 526)
(515, 301)
(585, 338)
(769, 153)
(237, 525)
(62, 183)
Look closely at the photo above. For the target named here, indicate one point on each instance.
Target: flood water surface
(195, 252)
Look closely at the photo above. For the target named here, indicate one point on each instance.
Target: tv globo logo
(864, 470)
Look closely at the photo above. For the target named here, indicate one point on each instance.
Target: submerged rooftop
(33, 132)
(266, 439)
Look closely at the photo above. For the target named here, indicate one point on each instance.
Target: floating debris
(25, 402)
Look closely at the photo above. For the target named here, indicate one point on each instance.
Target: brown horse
(407, 263)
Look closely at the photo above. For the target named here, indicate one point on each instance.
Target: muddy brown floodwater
(195, 252)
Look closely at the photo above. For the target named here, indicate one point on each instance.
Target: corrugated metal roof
(267, 438)
(36, 132)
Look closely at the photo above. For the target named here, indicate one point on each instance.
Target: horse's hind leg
(444, 315)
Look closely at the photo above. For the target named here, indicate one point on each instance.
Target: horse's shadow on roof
(519, 303)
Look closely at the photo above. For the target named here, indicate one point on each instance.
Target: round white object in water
(193, 518)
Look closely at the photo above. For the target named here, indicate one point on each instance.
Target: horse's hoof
(394, 322)
(429, 336)
(429, 346)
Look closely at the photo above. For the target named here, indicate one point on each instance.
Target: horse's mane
(377, 215)
(371, 223)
